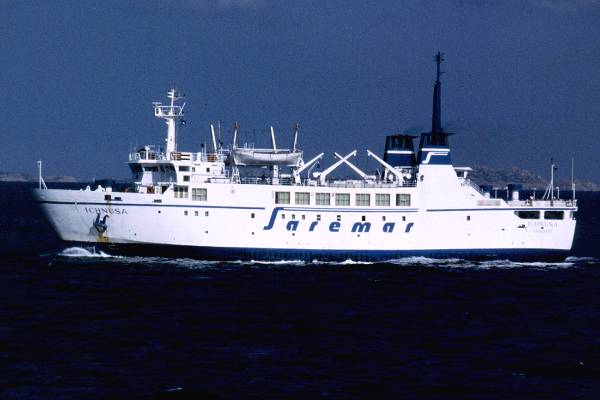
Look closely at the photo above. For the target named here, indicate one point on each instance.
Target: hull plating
(268, 254)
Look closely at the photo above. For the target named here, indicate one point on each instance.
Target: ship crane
(387, 166)
(323, 175)
(298, 171)
(356, 169)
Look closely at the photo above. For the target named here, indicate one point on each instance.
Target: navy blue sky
(521, 84)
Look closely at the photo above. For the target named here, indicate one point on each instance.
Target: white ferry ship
(269, 204)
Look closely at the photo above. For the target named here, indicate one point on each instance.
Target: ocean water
(80, 324)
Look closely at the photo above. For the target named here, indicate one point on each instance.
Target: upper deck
(155, 169)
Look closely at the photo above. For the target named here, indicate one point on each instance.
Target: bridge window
(403, 199)
(181, 192)
(363, 199)
(323, 199)
(135, 167)
(302, 198)
(342, 199)
(382, 199)
(184, 168)
(528, 214)
(199, 194)
(282, 197)
(554, 214)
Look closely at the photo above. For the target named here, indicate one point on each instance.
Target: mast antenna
(549, 194)
(170, 113)
(438, 58)
(41, 183)
(436, 117)
(572, 176)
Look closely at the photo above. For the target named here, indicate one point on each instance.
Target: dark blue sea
(78, 324)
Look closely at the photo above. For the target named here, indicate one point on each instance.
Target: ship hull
(257, 228)
(310, 255)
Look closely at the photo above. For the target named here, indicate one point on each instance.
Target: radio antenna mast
(572, 176)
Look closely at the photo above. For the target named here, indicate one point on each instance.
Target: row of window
(162, 168)
(166, 168)
(532, 214)
(303, 198)
(185, 168)
(198, 194)
(196, 213)
(343, 199)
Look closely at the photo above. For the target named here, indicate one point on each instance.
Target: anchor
(100, 224)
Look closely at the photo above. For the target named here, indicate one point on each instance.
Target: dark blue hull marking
(266, 254)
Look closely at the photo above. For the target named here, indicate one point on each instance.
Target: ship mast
(436, 118)
(170, 114)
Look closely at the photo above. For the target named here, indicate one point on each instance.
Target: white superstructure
(246, 203)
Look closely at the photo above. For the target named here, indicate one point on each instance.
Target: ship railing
(146, 155)
(369, 184)
(208, 157)
(220, 179)
(469, 183)
(288, 181)
(254, 180)
(225, 177)
(409, 183)
(543, 203)
(258, 180)
(181, 156)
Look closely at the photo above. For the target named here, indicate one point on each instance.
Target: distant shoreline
(500, 178)
(20, 177)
